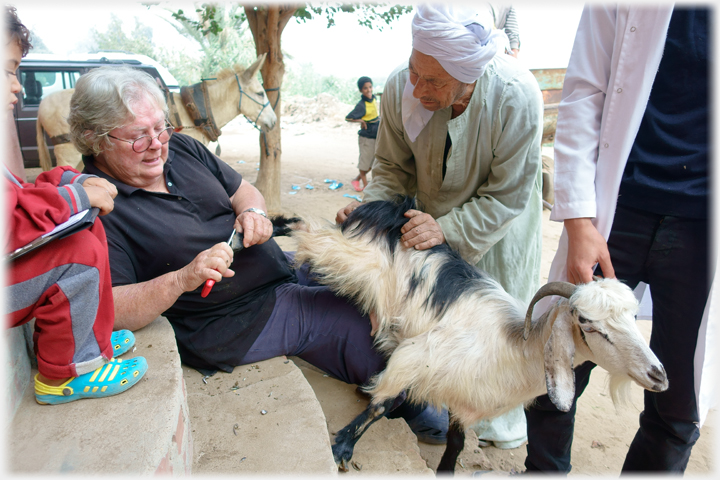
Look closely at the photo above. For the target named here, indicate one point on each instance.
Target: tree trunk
(266, 24)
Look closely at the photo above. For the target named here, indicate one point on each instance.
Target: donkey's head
(254, 103)
(238, 91)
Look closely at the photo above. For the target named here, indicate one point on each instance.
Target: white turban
(461, 40)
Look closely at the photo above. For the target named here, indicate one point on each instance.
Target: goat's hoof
(342, 455)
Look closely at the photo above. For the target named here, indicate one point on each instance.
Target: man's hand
(421, 231)
(99, 197)
(101, 194)
(363, 124)
(102, 183)
(343, 213)
(213, 264)
(255, 228)
(586, 247)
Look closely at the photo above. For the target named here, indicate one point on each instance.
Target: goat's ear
(559, 353)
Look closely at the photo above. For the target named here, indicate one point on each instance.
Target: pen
(210, 282)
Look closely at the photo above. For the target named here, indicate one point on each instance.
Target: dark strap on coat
(197, 102)
(60, 139)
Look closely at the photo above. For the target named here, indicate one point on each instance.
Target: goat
(453, 335)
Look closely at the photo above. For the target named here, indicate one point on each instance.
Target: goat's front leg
(346, 438)
(455, 445)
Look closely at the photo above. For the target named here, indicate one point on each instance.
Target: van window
(37, 84)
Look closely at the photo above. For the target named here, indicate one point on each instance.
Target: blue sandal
(112, 378)
(122, 341)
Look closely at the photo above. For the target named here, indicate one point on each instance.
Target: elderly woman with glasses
(176, 206)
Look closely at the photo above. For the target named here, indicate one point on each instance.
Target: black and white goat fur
(455, 338)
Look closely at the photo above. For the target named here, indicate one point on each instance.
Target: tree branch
(286, 13)
(252, 20)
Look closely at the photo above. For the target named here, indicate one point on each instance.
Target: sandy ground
(313, 152)
(316, 151)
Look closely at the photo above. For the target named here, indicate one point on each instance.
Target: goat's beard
(619, 386)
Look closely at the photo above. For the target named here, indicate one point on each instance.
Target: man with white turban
(461, 131)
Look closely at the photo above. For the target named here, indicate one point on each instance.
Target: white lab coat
(612, 68)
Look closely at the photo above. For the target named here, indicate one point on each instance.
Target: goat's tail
(43, 150)
(282, 225)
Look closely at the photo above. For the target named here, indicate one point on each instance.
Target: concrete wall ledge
(261, 419)
(144, 430)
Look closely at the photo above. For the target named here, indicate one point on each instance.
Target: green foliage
(369, 15)
(139, 42)
(38, 46)
(207, 24)
(222, 36)
(223, 39)
(304, 80)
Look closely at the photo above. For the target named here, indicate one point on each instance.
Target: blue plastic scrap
(354, 197)
(335, 186)
(328, 180)
(296, 187)
(309, 187)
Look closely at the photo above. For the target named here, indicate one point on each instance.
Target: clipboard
(79, 221)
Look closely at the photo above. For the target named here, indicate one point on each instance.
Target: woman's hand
(212, 264)
(255, 228)
(421, 231)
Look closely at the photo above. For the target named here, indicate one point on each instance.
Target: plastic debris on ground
(335, 185)
(241, 161)
(328, 180)
(354, 197)
(293, 192)
(296, 187)
(309, 187)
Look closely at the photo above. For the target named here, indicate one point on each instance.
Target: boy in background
(367, 114)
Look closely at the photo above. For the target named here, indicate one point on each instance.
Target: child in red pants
(65, 285)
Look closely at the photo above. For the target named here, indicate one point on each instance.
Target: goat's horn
(564, 289)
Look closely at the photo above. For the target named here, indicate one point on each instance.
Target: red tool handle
(209, 282)
(208, 286)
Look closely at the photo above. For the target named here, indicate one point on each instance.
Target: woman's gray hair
(103, 100)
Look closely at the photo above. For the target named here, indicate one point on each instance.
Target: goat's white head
(598, 320)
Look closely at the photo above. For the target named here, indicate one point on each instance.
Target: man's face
(434, 87)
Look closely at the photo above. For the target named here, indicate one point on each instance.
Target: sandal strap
(43, 389)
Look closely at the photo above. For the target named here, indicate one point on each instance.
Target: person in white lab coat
(632, 188)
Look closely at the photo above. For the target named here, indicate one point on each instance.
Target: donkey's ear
(559, 353)
(252, 70)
